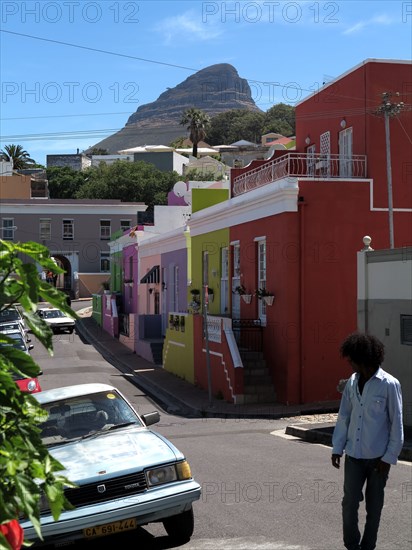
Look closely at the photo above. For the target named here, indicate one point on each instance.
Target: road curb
(322, 433)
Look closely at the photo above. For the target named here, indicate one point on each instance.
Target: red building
(308, 211)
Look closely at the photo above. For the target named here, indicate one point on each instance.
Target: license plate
(110, 528)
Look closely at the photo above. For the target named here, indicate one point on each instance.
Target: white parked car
(126, 474)
(57, 320)
(11, 315)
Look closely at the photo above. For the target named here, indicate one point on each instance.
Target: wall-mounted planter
(268, 299)
(247, 298)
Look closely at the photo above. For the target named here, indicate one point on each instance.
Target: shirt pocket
(377, 404)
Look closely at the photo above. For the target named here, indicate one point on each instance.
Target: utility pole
(389, 110)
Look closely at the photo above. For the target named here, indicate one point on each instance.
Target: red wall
(311, 268)
(356, 97)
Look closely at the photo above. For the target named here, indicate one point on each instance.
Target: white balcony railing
(319, 166)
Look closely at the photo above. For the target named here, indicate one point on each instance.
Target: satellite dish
(188, 198)
(180, 188)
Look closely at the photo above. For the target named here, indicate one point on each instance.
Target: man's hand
(382, 467)
(336, 461)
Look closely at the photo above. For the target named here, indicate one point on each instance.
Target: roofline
(351, 70)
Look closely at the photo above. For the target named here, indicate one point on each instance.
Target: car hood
(59, 320)
(114, 453)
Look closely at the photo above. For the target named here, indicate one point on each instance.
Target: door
(236, 282)
(345, 153)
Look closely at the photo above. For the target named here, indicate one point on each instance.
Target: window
(236, 281)
(262, 275)
(105, 262)
(406, 330)
(224, 279)
(105, 229)
(324, 162)
(124, 225)
(68, 230)
(45, 229)
(131, 274)
(311, 162)
(176, 289)
(8, 229)
(345, 152)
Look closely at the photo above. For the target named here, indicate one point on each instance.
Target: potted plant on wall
(243, 293)
(265, 295)
(211, 294)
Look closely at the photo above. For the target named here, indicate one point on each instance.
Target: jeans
(357, 471)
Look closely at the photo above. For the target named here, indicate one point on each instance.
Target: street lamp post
(389, 110)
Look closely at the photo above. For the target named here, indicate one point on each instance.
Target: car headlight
(168, 473)
(31, 385)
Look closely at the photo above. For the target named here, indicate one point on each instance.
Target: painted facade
(291, 228)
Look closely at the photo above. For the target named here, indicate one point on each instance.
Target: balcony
(301, 165)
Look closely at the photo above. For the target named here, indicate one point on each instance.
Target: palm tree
(198, 123)
(19, 156)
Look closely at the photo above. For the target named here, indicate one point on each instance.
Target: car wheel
(71, 330)
(180, 528)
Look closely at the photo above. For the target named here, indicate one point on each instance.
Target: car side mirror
(151, 418)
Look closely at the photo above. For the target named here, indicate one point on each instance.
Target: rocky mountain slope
(214, 90)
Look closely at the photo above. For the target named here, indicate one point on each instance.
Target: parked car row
(12, 326)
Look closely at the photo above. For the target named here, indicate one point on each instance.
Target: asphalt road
(261, 489)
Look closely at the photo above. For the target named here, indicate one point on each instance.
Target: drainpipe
(301, 205)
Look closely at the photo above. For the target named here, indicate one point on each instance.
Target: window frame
(45, 223)
(65, 224)
(104, 225)
(8, 228)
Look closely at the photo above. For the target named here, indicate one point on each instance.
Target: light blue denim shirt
(370, 425)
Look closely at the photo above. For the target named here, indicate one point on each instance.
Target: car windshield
(19, 341)
(10, 314)
(53, 314)
(9, 326)
(80, 417)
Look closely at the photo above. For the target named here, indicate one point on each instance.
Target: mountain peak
(215, 89)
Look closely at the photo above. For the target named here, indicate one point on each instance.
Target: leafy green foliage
(19, 156)
(234, 125)
(27, 470)
(280, 119)
(64, 182)
(128, 182)
(237, 124)
(198, 174)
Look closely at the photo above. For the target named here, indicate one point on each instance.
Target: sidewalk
(176, 396)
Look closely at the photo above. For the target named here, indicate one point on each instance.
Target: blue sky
(73, 71)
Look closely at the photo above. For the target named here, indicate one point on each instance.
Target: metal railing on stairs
(248, 334)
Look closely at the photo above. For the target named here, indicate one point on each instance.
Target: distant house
(76, 232)
(207, 165)
(164, 158)
(78, 161)
(268, 139)
(21, 184)
(110, 159)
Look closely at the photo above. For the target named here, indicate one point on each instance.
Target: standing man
(369, 429)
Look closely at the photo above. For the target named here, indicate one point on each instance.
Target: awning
(152, 276)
